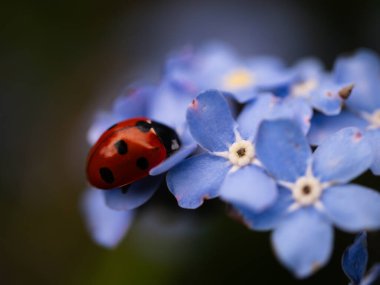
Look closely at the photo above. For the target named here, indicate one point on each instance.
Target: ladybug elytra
(126, 152)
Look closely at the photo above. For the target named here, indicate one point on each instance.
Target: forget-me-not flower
(216, 66)
(318, 88)
(314, 193)
(228, 168)
(354, 263)
(363, 106)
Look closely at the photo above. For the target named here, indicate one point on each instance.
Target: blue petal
(249, 187)
(196, 179)
(353, 207)
(355, 258)
(283, 149)
(270, 107)
(169, 106)
(327, 98)
(134, 103)
(269, 218)
(210, 121)
(102, 122)
(342, 156)
(363, 70)
(269, 73)
(134, 195)
(308, 68)
(174, 159)
(373, 277)
(323, 126)
(107, 226)
(374, 140)
(303, 242)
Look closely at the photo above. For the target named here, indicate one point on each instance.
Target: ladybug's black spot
(114, 125)
(143, 126)
(106, 175)
(121, 147)
(142, 163)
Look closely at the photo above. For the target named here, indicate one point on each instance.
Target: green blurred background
(61, 61)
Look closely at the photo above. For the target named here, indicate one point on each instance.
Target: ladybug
(126, 152)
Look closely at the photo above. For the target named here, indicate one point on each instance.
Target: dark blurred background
(61, 61)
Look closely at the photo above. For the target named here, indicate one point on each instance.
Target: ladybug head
(168, 137)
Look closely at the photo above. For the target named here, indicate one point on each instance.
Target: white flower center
(241, 153)
(238, 79)
(304, 88)
(373, 119)
(307, 190)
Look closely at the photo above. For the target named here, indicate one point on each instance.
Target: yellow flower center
(304, 88)
(238, 79)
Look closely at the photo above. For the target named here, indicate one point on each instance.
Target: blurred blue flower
(107, 226)
(216, 66)
(318, 88)
(363, 106)
(168, 109)
(314, 193)
(228, 168)
(354, 263)
(271, 107)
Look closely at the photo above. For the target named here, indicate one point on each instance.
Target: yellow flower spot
(238, 79)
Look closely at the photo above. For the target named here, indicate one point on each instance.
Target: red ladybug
(128, 150)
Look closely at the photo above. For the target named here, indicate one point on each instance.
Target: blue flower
(138, 102)
(107, 226)
(318, 88)
(354, 263)
(228, 168)
(216, 66)
(271, 107)
(363, 106)
(314, 193)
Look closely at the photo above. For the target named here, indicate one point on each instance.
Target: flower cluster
(280, 144)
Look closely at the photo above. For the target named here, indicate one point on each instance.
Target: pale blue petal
(174, 159)
(102, 122)
(210, 121)
(355, 258)
(323, 126)
(308, 68)
(303, 242)
(269, 73)
(363, 70)
(374, 140)
(326, 98)
(342, 156)
(133, 195)
(134, 103)
(249, 187)
(283, 149)
(196, 179)
(169, 106)
(270, 107)
(269, 218)
(373, 277)
(353, 207)
(106, 226)
(299, 111)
